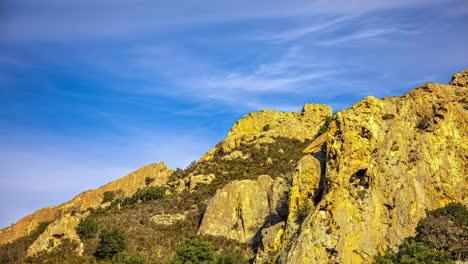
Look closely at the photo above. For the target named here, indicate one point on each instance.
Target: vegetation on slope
(442, 237)
(147, 241)
(17, 250)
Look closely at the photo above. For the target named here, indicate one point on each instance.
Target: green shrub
(303, 212)
(325, 126)
(99, 211)
(194, 251)
(87, 228)
(148, 180)
(457, 212)
(231, 257)
(111, 242)
(424, 123)
(446, 229)
(266, 127)
(413, 252)
(108, 196)
(115, 203)
(440, 238)
(41, 227)
(14, 251)
(145, 195)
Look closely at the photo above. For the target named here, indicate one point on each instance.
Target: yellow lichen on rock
(387, 161)
(55, 233)
(268, 124)
(241, 208)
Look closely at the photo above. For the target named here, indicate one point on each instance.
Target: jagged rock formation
(167, 219)
(63, 228)
(268, 124)
(242, 208)
(387, 161)
(125, 186)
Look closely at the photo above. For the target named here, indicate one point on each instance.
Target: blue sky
(92, 90)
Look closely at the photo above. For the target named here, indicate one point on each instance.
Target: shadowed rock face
(125, 186)
(387, 161)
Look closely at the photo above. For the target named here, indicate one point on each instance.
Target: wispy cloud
(364, 34)
(77, 21)
(284, 74)
(298, 33)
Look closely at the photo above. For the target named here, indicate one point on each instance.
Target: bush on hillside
(413, 252)
(441, 237)
(194, 251)
(446, 229)
(87, 228)
(108, 196)
(145, 195)
(148, 180)
(325, 126)
(16, 250)
(111, 242)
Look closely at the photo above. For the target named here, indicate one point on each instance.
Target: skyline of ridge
(92, 91)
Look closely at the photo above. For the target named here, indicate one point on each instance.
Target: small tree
(87, 228)
(111, 242)
(195, 251)
(148, 180)
(108, 196)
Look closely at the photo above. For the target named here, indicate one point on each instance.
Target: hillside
(283, 187)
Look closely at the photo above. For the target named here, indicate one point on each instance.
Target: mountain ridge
(359, 187)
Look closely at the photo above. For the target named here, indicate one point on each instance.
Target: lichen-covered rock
(55, 233)
(194, 180)
(460, 79)
(271, 237)
(237, 154)
(242, 208)
(268, 124)
(124, 187)
(167, 219)
(306, 179)
(387, 161)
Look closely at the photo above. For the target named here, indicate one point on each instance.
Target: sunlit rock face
(124, 187)
(384, 163)
(242, 208)
(268, 124)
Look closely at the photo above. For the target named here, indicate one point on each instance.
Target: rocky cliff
(303, 187)
(362, 187)
(380, 166)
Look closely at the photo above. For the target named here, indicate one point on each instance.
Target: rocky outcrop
(124, 187)
(386, 162)
(460, 79)
(167, 219)
(267, 124)
(55, 233)
(242, 208)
